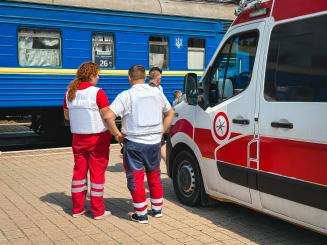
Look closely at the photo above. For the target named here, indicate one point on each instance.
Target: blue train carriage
(42, 44)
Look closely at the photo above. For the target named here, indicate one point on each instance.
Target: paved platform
(35, 209)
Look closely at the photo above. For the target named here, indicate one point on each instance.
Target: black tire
(187, 179)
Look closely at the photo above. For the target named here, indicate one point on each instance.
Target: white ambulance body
(253, 130)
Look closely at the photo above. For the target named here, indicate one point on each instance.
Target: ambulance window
(158, 52)
(103, 50)
(39, 47)
(231, 71)
(296, 66)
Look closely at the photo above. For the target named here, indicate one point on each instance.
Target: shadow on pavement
(116, 167)
(250, 224)
(60, 199)
(254, 226)
(119, 207)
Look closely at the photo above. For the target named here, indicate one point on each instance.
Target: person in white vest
(84, 106)
(146, 114)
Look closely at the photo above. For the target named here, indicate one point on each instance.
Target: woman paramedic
(84, 106)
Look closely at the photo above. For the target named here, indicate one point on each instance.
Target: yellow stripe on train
(50, 71)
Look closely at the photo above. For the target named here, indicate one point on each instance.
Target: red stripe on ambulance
(182, 126)
(301, 160)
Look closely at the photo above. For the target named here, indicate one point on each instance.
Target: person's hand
(167, 131)
(119, 137)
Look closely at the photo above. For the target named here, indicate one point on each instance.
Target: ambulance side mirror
(191, 88)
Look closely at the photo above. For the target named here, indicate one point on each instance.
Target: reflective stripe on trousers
(78, 186)
(97, 190)
(156, 204)
(141, 208)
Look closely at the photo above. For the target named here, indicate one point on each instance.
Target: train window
(195, 54)
(158, 52)
(39, 47)
(103, 50)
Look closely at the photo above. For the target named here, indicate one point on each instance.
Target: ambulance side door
(225, 117)
(292, 121)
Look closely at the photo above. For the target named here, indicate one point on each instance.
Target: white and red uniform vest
(84, 114)
(146, 112)
(141, 108)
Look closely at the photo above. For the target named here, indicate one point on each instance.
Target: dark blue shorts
(139, 156)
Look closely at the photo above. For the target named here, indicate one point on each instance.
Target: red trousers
(135, 181)
(137, 158)
(91, 153)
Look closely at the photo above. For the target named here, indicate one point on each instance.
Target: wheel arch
(179, 147)
(172, 155)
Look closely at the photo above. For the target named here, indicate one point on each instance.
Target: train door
(225, 117)
(292, 122)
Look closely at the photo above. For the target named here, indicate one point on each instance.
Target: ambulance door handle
(282, 125)
(241, 121)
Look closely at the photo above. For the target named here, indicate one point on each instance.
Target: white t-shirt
(159, 86)
(121, 106)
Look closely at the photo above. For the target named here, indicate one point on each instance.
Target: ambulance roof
(279, 9)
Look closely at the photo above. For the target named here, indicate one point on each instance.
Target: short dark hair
(156, 68)
(176, 92)
(136, 72)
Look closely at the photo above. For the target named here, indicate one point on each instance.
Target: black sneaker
(155, 213)
(142, 219)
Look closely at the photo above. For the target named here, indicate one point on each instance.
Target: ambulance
(253, 129)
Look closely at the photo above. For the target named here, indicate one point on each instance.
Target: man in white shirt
(155, 75)
(146, 114)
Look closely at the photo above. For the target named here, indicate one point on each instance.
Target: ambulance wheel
(187, 179)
